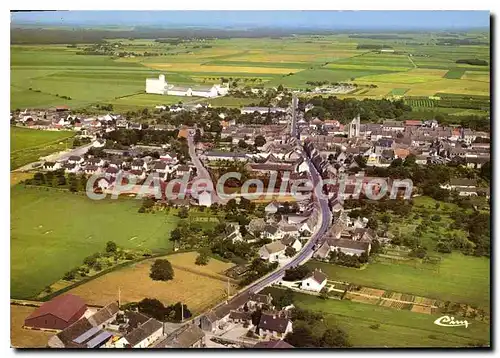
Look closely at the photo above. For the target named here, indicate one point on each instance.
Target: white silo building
(156, 85)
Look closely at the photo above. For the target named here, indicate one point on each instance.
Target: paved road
(57, 156)
(201, 171)
(324, 219)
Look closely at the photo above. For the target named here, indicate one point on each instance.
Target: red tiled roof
(63, 307)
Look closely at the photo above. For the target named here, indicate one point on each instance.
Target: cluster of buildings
(381, 143)
(77, 325)
(160, 86)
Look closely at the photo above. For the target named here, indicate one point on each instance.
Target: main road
(201, 171)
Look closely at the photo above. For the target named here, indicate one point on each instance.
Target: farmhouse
(57, 313)
(272, 252)
(314, 282)
(187, 336)
(273, 326)
(160, 86)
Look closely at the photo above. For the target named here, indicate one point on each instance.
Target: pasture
(378, 326)
(200, 287)
(52, 232)
(27, 145)
(463, 279)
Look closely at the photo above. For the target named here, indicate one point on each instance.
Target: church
(160, 86)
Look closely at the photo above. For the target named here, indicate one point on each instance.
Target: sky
(288, 19)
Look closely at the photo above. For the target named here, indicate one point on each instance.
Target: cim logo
(447, 321)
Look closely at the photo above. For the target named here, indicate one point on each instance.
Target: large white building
(160, 86)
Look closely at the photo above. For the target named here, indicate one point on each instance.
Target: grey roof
(104, 314)
(349, 244)
(184, 337)
(318, 276)
(273, 323)
(143, 331)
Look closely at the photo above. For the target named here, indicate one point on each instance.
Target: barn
(57, 313)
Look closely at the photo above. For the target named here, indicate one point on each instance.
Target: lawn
(28, 145)
(200, 287)
(462, 279)
(396, 328)
(52, 232)
(25, 338)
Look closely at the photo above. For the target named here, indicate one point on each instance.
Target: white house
(205, 199)
(143, 336)
(272, 252)
(99, 143)
(273, 326)
(271, 208)
(314, 282)
(75, 159)
(292, 242)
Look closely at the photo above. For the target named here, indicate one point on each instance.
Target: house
(256, 300)
(143, 336)
(138, 164)
(272, 252)
(71, 168)
(75, 159)
(350, 247)
(230, 156)
(205, 199)
(90, 169)
(112, 172)
(271, 208)
(217, 318)
(58, 313)
(271, 232)
(315, 281)
(273, 326)
(291, 241)
(187, 336)
(286, 229)
(272, 344)
(52, 166)
(459, 183)
(241, 317)
(98, 162)
(182, 170)
(99, 143)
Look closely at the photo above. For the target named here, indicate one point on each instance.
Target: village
(291, 231)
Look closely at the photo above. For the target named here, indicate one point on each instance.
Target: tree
(175, 234)
(296, 273)
(284, 300)
(202, 259)
(301, 337)
(290, 251)
(161, 270)
(259, 141)
(153, 308)
(183, 213)
(360, 160)
(334, 338)
(111, 246)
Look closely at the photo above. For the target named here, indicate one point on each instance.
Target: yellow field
(477, 76)
(25, 338)
(340, 66)
(16, 177)
(196, 67)
(413, 76)
(446, 85)
(199, 288)
(294, 57)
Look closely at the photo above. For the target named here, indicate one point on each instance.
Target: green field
(397, 328)
(27, 145)
(292, 61)
(52, 232)
(463, 279)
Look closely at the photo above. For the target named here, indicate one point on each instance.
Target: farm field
(395, 328)
(54, 231)
(143, 100)
(25, 338)
(200, 287)
(27, 145)
(41, 74)
(460, 278)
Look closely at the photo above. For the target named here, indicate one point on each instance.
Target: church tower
(354, 127)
